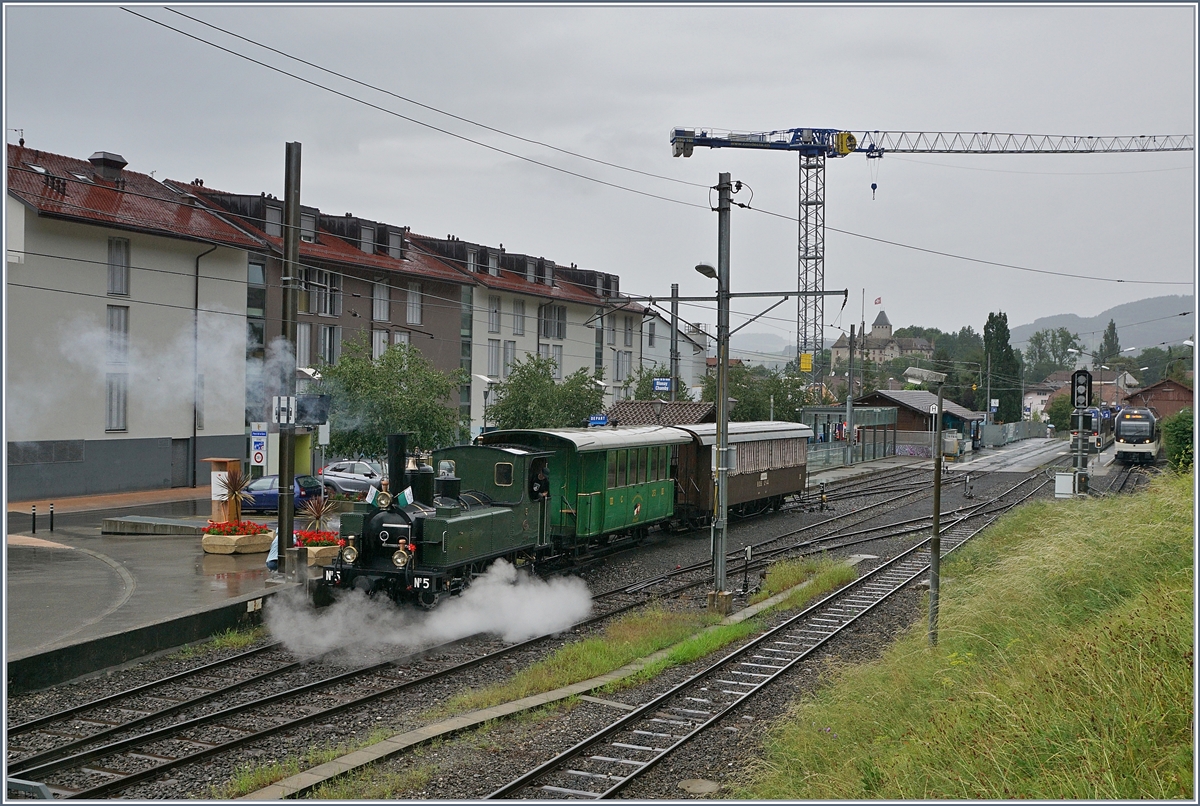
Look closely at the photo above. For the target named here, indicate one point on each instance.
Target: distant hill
(1144, 323)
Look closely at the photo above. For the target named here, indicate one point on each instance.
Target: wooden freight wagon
(771, 463)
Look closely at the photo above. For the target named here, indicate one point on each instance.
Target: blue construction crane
(815, 145)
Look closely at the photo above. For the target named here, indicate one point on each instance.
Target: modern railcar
(1137, 435)
(1097, 433)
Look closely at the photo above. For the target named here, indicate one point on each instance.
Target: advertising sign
(258, 444)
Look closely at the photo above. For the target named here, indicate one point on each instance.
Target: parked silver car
(351, 476)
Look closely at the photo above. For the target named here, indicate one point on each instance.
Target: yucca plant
(316, 512)
(235, 489)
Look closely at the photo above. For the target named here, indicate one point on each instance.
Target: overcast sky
(611, 83)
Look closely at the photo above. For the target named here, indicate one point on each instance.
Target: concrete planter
(322, 555)
(237, 544)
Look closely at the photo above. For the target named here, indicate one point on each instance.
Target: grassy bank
(1064, 670)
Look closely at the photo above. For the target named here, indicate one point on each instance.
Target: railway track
(110, 755)
(606, 762)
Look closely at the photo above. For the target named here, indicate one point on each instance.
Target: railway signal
(1081, 389)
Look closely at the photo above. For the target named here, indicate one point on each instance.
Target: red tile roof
(330, 247)
(140, 204)
(515, 282)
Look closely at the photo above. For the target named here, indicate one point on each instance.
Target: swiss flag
(878, 300)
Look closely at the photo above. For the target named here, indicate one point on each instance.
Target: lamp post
(719, 600)
(918, 375)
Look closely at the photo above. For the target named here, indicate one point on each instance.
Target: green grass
(631, 637)
(251, 777)
(1063, 671)
(822, 575)
(230, 639)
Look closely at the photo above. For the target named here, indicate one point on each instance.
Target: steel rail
(663, 722)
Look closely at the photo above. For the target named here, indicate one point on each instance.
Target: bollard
(746, 571)
(34, 514)
(52, 517)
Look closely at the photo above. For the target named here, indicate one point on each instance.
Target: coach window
(504, 474)
(642, 479)
(622, 460)
(653, 464)
(612, 469)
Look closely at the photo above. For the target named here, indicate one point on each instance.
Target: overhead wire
(585, 177)
(397, 96)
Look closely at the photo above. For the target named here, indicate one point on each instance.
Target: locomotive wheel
(427, 600)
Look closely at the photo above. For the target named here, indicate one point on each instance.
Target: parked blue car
(265, 491)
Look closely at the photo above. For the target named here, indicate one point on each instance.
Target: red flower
(235, 528)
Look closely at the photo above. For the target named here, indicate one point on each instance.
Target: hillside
(1168, 327)
(1142, 323)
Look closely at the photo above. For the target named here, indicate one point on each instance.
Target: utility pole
(720, 599)
(849, 460)
(935, 542)
(674, 338)
(988, 411)
(290, 282)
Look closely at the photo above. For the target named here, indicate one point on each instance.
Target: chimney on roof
(107, 166)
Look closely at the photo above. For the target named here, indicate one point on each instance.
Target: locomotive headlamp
(349, 554)
(400, 558)
(383, 500)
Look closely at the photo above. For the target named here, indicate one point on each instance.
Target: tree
(1005, 368)
(1177, 435)
(1059, 413)
(640, 385)
(530, 398)
(1110, 345)
(399, 391)
(1047, 353)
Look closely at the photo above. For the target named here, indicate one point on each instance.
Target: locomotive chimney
(397, 453)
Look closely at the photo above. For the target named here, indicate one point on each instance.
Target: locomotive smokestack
(397, 453)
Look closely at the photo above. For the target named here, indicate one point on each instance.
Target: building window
(118, 334)
(414, 303)
(556, 354)
(628, 331)
(118, 266)
(472, 261)
(543, 351)
(200, 402)
(303, 344)
(610, 328)
(493, 264)
(530, 271)
(493, 314)
(329, 343)
(381, 302)
(274, 224)
(255, 338)
(256, 290)
(493, 358)
(396, 245)
(367, 240)
(379, 343)
(553, 321)
(115, 394)
(624, 364)
(308, 228)
(650, 335)
(325, 290)
(401, 337)
(510, 355)
(518, 317)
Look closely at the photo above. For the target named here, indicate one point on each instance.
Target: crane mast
(814, 146)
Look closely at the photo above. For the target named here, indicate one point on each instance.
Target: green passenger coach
(603, 481)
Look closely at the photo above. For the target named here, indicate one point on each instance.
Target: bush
(1177, 432)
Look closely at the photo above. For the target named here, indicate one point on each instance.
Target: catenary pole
(290, 281)
(674, 338)
(719, 525)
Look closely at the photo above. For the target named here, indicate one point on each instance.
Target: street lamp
(918, 375)
(657, 405)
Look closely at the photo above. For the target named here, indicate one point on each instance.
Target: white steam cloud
(515, 606)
